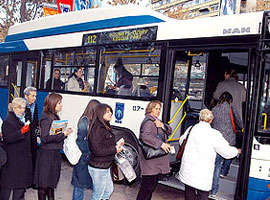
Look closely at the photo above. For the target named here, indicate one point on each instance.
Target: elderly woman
(198, 160)
(154, 133)
(16, 174)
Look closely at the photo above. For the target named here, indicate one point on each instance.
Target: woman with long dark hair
(76, 83)
(81, 178)
(48, 166)
(103, 148)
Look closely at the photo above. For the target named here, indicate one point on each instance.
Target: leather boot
(42, 194)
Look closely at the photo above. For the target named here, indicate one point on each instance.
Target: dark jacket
(102, 146)
(17, 172)
(148, 134)
(50, 141)
(125, 79)
(57, 84)
(81, 177)
(33, 130)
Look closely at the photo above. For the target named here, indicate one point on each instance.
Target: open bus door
(23, 73)
(195, 76)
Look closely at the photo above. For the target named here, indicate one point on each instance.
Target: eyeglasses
(21, 107)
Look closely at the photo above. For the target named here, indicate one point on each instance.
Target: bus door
(187, 94)
(23, 73)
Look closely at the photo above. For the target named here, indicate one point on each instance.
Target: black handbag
(149, 152)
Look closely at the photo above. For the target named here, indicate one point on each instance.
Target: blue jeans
(221, 166)
(78, 193)
(102, 183)
(226, 166)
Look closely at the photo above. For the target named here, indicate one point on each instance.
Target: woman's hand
(68, 131)
(166, 147)
(159, 124)
(118, 149)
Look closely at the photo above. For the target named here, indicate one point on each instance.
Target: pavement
(121, 192)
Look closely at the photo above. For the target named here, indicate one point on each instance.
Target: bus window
(180, 80)
(77, 65)
(129, 70)
(45, 68)
(31, 73)
(264, 115)
(3, 70)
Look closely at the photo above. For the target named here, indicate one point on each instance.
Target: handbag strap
(233, 124)
(189, 133)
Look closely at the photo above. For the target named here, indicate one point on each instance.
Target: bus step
(227, 186)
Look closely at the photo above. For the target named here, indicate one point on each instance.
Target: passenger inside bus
(124, 78)
(231, 85)
(57, 83)
(76, 83)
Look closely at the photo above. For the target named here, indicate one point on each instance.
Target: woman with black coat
(81, 178)
(16, 174)
(48, 166)
(103, 148)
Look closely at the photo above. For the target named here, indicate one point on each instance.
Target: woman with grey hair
(17, 142)
(198, 161)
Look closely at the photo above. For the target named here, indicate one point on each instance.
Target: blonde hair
(206, 115)
(151, 105)
(16, 103)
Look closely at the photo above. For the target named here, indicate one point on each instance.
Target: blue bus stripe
(16, 46)
(101, 24)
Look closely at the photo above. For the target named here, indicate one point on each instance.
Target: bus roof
(67, 30)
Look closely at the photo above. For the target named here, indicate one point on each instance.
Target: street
(121, 192)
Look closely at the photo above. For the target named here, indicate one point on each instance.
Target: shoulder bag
(180, 152)
(150, 152)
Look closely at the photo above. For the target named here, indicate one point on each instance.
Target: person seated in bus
(76, 83)
(57, 83)
(123, 85)
(222, 122)
(198, 161)
(231, 85)
(141, 91)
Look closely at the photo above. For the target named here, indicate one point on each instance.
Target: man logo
(236, 30)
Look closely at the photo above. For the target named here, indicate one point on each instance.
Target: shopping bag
(124, 165)
(71, 149)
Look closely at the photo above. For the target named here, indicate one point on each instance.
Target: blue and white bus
(179, 62)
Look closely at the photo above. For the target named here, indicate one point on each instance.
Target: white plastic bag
(71, 149)
(124, 165)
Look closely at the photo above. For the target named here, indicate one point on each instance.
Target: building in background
(185, 9)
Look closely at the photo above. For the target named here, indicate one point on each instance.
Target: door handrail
(170, 139)
(15, 88)
(169, 122)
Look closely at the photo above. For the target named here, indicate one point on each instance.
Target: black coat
(33, 130)
(50, 141)
(102, 146)
(17, 172)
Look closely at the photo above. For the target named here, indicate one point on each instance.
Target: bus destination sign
(129, 35)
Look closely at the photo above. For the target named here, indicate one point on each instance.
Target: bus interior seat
(124, 91)
(141, 91)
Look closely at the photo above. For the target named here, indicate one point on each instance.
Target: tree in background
(18, 11)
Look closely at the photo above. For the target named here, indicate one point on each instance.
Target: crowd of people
(207, 156)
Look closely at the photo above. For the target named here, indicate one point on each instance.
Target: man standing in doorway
(31, 114)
